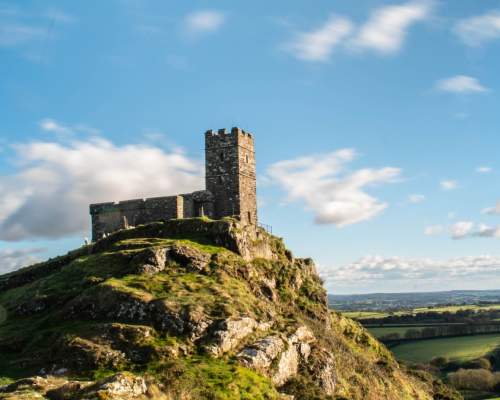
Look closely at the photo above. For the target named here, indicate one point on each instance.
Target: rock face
(167, 312)
(279, 358)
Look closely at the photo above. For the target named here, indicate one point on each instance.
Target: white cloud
(334, 196)
(416, 198)
(204, 21)
(433, 230)
(461, 229)
(448, 184)
(460, 84)
(487, 231)
(48, 196)
(492, 210)
(484, 170)
(477, 30)
(379, 268)
(64, 131)
(388, 26)
(10, 259)
(319, 44)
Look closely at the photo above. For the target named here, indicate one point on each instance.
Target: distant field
(455, 348)
(364, 314)
(452, 309)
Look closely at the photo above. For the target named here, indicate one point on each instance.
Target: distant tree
(412, 334)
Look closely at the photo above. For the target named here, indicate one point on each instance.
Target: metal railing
(266, 227)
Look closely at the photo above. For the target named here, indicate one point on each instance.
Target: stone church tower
(230, 174)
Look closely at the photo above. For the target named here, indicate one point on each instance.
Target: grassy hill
(176, 310)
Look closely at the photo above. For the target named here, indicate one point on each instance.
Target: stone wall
(110, 217)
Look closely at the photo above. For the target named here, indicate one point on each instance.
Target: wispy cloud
(63, 179)
(460, 84)
(387, 28)
(492, 210)
(334, 196)
(448, 184)
(416, 198)
(480, 29)
(204, 21)
(14, 34)
(64, 131)
(484, 170)
(433, 230)
(318, 45)
(11, 260)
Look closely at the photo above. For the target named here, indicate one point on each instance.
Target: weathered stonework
(230, 190)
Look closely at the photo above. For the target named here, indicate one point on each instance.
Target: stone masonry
(230, 190)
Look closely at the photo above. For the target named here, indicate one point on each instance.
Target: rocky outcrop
(277, 357)
(229, 333)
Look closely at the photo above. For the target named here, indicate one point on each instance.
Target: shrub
(439, 362)
(472, 379)
(479, 363)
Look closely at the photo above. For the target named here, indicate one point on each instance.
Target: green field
(452, 309)
(454, 348)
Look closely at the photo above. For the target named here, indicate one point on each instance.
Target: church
(230, 190)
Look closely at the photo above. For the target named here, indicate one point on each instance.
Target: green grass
(455, 348)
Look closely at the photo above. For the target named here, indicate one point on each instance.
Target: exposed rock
(149, 261)
(122, 386)
(286, 354)
(196, 323)
(231, 332)
(261, 354)
(39, 387)
(288, 366)
(86, 354)
(327, 377)
(193, 259)
(302, 334)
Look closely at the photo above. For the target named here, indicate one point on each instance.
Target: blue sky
(376, 126)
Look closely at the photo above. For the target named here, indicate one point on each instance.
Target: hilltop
(189, 309)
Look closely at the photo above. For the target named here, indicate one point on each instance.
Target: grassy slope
(40, 324)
